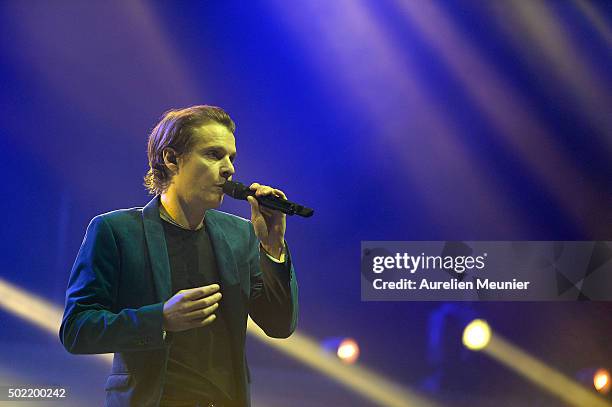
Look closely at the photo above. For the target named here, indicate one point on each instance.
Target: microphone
(238, 190)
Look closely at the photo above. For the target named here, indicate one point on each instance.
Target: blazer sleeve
(273, 303)
(89, 324)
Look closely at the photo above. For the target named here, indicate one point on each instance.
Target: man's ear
(171, 160)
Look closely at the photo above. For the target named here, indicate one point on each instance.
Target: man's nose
(228, 169)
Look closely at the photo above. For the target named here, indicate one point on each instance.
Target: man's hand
(269, 224)
(191, 308)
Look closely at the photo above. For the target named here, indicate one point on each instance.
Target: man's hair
(175, 130)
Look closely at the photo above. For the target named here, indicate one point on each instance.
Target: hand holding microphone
(238, 190)
(269, 207)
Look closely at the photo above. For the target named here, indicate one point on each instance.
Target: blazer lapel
(228, 270)
(158, 252)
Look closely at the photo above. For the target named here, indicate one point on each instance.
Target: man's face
(207, 166)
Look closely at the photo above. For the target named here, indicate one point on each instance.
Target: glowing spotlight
(348, 351)
(601, 381)
(35, 310)
(322, 357)
(477, 334)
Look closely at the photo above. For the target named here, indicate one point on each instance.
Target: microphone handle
(285, 206)
(238, 190)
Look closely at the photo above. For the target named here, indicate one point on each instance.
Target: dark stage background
(395, 120)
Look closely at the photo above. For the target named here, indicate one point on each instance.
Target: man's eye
(213, 154)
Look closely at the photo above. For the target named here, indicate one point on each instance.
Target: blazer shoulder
(120, 217)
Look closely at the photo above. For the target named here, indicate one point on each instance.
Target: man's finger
(280, 193)
(203, 313)
(200, 292)
(264, 190)
(254, 204)
(203, 302)
(209, 320)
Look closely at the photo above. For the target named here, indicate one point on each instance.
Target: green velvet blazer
(121, 279)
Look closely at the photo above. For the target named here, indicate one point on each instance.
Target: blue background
(395, 120)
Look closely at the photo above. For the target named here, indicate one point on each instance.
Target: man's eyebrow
(217, 148)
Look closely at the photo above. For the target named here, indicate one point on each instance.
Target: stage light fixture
(348, 351)
(477, 334)
(321, 356)
(601, 381)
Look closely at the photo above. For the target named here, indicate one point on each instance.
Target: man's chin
(212, 202)
(217, 201)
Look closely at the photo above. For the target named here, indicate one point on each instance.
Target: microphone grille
(234, 189)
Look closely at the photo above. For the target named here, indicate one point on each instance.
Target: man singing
(168, 288)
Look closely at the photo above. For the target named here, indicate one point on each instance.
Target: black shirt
(200, 361)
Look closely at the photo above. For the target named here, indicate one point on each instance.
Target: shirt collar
(166, 216)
